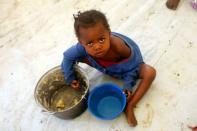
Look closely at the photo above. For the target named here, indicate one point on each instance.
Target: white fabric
(34, 34)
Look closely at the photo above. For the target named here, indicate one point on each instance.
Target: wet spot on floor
(190, 44)
(169, 42)
(124, 19)
(1, 46)
(166, 103)
(147, 105)
(151, 13)
(177, 74)
(147, 121)
(56, 1)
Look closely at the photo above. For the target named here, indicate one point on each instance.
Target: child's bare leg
(147, 75)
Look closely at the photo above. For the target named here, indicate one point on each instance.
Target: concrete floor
(34, 34)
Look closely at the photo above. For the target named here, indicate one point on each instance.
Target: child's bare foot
(172, 4)
(130, 115)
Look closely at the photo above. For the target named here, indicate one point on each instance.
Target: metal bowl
(56, 97)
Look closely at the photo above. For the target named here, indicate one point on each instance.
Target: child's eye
(89, 43)
(101, 40)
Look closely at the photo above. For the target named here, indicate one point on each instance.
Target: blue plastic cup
(106, 101)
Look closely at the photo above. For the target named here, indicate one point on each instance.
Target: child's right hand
(75, 84)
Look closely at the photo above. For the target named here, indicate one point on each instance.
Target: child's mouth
(100, 53)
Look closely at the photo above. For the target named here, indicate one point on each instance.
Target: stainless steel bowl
(51, 83)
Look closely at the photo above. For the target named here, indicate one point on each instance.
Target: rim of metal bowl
(54, 69)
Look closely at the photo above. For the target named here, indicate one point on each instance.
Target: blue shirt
(128, 70)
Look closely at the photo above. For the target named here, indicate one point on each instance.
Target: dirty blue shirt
(127, 70)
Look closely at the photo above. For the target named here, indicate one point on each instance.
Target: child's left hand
(75, 84)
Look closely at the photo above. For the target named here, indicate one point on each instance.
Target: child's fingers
(75, 84)
(128, 94)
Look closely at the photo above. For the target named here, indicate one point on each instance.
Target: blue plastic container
(106, 101)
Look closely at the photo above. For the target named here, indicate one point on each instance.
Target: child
(111, 53)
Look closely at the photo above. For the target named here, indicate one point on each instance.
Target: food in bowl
(55, 95)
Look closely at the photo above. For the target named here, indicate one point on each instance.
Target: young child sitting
(111, 53)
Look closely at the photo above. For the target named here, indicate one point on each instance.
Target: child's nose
(97, 46)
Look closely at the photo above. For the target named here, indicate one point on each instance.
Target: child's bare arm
(71, 57)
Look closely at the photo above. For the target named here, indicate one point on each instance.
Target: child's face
(95, 40)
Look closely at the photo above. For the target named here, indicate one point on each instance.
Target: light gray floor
(34, 34)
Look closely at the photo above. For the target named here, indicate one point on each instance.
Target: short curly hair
(88, 19)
